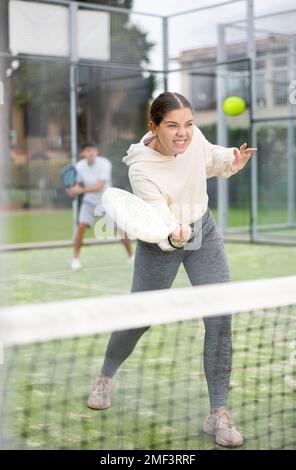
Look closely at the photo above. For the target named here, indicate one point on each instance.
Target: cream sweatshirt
(177, 185)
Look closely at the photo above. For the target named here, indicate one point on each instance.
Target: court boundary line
(52, 244)
(24, 277)
(9, 277)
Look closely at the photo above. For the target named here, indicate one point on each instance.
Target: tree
(119, 97)
(129, 47)
(106, 95)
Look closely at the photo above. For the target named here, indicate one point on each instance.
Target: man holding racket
(168, 169)
(93, 178)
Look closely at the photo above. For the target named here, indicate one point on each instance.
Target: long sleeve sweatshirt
(177, 185)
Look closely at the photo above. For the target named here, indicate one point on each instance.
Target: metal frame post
(165, 51)
(291, 141)
(73, 22)
(251, 48)
(222, 134)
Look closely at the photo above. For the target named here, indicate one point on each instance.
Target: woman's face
(174, 133)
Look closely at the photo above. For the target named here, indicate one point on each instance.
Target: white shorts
(87, 217)
(86, 213)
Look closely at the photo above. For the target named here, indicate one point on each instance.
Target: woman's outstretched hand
(241, 157)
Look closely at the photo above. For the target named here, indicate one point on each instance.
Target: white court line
(69, 284)
(68, 271)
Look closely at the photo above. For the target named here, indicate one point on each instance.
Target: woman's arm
(150, 193)
(225, 162)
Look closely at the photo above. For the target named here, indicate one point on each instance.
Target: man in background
(93, 178)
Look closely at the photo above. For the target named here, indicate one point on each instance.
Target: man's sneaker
(75, 264)
(100, 396)
(220, 425)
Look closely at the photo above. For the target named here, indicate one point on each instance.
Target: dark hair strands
(166, 102)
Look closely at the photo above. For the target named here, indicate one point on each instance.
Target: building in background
(275, 64)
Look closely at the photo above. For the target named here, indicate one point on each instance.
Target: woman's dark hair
(166, 102)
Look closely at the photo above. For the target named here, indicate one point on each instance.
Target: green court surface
(48, 405)
(45, 274)
(47, 225)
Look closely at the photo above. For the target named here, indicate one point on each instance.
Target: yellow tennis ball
(234, 105)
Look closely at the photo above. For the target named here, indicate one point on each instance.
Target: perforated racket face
(68, 176)
(134, 216)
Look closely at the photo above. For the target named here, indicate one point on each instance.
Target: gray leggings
(155, 269)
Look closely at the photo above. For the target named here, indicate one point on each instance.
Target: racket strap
(176, 247)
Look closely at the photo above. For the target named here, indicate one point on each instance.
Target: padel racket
(68, 175)
(135, 217)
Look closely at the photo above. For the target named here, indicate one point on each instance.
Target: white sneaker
(75, 264)
(100, 396)
(221, 426)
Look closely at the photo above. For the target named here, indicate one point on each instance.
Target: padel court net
(53, 352)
